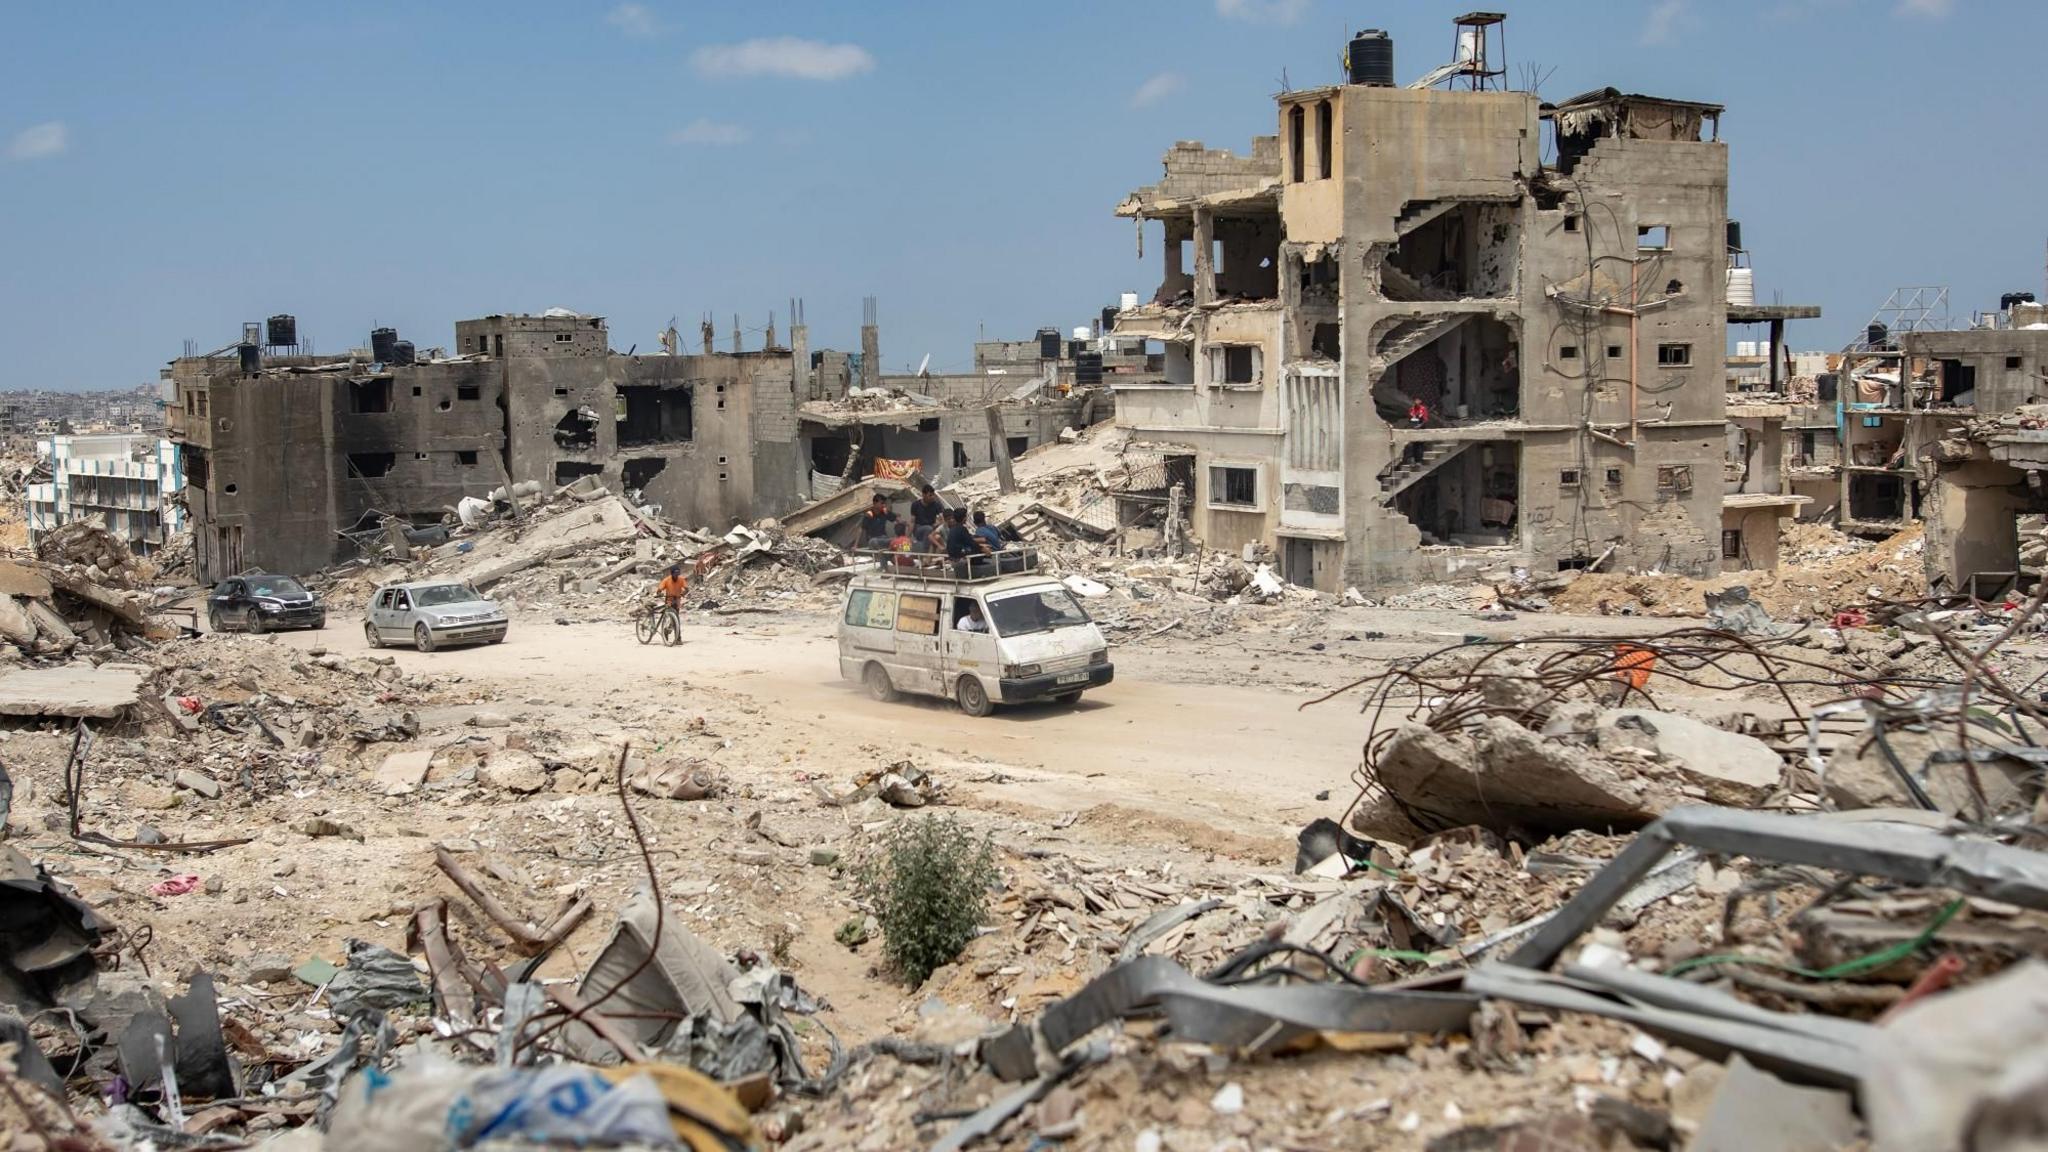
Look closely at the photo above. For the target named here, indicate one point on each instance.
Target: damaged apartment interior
(1410, 646)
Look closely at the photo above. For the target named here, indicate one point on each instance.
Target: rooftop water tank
(382, 342)
(281, 330)
(1370, 59)
(1742, 286)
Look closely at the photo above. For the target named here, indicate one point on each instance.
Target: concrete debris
(110, 691)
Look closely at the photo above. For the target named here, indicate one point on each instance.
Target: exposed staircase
(1411, 335)
(1406, 472)
(1420, 212)
(1397, 284)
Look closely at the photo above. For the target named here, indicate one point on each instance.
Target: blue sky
(170, 170)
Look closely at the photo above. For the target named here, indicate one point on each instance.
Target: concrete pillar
(800, 361)
(1205, 256)
(1176, 279)
(1777, 350)
(870, 356)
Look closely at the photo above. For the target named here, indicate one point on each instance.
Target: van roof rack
(933, 568)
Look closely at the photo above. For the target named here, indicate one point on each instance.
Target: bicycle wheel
(671, 628)
(643, 627)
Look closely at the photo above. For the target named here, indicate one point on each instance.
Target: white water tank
(1127, 301)
(1742, 286)
(1083, 332)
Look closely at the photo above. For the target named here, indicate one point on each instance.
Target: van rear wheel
(973, 697)
(877, 679)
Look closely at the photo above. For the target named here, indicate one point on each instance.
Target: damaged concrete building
(1963, 444)
(286, 454)
(1393, 250)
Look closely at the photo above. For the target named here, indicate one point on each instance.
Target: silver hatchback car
(430, 613)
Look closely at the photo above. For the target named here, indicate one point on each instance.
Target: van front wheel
(877, 680)
(973, 697)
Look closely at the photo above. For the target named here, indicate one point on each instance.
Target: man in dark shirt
(926, 510)
(987, 531)
(961, 542)
(875, 525)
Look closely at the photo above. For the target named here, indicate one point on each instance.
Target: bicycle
(661, 619)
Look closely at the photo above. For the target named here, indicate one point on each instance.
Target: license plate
(1074, 678)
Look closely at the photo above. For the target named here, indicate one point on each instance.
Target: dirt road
(1237, 758)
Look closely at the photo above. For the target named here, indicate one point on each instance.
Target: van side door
(918, 662)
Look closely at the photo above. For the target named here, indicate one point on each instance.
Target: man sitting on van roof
(987, 531)
(874, 524)
(961, 542)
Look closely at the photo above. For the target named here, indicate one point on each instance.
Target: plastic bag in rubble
(472, 511)
(432, 1103)
(375, 977)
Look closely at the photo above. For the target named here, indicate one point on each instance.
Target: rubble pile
(582, 553)
(1809, 590)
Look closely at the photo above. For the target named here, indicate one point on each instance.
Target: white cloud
(38, 141)
(712, 132)
(787, 57)
(1661, 27)
(1929, 9)
(1263, 11)
(637, 20)
(1156, 89)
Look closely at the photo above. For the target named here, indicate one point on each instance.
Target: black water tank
(1827, 383)
(252, 358)
(1108, 320)
(2006, 301)
(1371, 59)
(1087, 369)
(1048, 343)
(401, 352)
(281, 330)
(1876, 333)
(1735, 235)
(382, 341)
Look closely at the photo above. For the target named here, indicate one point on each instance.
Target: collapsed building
(290, 457)
(126, 482)
(1960, 444)
(1562, 322)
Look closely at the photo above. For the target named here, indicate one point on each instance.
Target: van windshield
(1042, 611)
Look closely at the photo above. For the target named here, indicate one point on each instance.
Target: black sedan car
(260, 602)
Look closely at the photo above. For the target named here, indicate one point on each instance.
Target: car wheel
(423, 637)
(370, 636)
(877, 680)
(973, 697)
(1068, 698)
(255, 623)
(495, 640)
(213, 620)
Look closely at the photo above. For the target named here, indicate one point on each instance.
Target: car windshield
(442, 595)
(276, 586)
(1041, 611)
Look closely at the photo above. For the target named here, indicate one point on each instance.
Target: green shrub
(928, 883)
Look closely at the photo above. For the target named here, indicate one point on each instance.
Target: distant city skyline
(177, 172)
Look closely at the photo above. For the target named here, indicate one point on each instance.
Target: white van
(899, 631)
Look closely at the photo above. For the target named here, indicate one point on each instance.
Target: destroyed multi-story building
(128, 483)
(292, 458)
(287, 455)
(1562, 321)
(1946, 426)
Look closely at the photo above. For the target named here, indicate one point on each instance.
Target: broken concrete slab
(1936, 1066)
(1731, 768)
(1755, 1111)
(403, 772)
(1501, 776)
(18, 579)
(199, 782)
(51, 625)
(15, 623)
(76, 691)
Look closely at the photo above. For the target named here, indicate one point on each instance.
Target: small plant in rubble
(928, 882)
